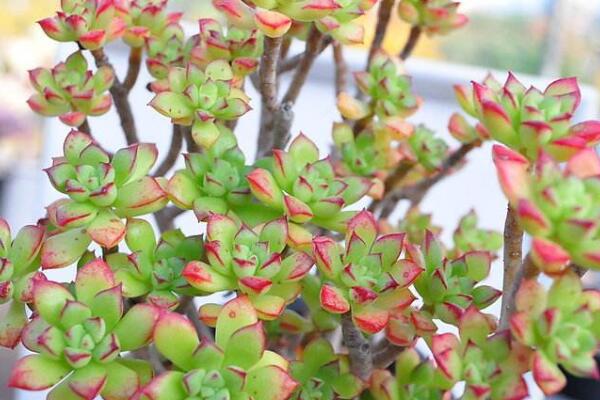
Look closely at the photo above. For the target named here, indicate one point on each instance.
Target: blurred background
(537, 39)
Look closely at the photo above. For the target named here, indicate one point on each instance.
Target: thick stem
(341, 68)
(268, 90)
(165, 218)
(133, 71)
(291, 63)
(385, 354)
(173, 152)
(120, 98)
(85, 127)
(392, 181)
(411, 42)
(415, 193)
(383, 18)
(513, 265)
(310, 53)
(359, 349)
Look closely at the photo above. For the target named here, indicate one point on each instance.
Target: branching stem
(359, 348)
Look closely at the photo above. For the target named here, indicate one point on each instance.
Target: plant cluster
(282, 235)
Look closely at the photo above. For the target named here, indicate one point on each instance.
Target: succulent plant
(416, 223)
(164, 51)
(529, 120)
(79, 334)
(465, 133)
(70, 91)
(91, 23)
(559, 208)
(100, 192)
(361, 154)
(240, 47)
(145, 19)
(388, 88)
(322, 374)
(236, 366)
(305, 188)
(367, 279)
(414, 379)
(214, 181)
(428, 150)
(275, 18)
(252, 262)
(449, 287)
(154, 269)
(559, 332)
(469, 237)
(433, 16)
(19, 264)
(200, 98)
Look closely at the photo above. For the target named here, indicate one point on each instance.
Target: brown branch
(173, 153)
(383, 18)
(120, 98)
(416, 192)
(133, 70)
(513, 265)
(268, 91)
(191, 145)
(392, 181)
(385, 353)
(165, 218)
(310, 54)
(341, 68)
(291, 63)
(359, 349)
(411, 42)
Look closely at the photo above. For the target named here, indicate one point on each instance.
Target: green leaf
(246, 346)
(85, 383)
(137, 326)
(11, 325)
(172, 105)
(269, 383)
(37, 372)
(175, 338)
(236, 314)
(64, 248)
(92, 279)
(49, 299)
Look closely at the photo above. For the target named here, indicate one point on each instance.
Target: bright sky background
(521, 6)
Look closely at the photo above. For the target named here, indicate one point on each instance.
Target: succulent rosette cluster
(91, 23)
(240, 47)
(200, 98)
(416, 224)
(367, 278)
(559, 332)
(19, 264)
(252, 262)
(449, 287)
(236, 366)
(322, 374)
(77, 337)
(214, 181)
(101, 191)
(169, 49)
(425, 149)
(435, 17)
(389, 92)
(359, 154)
(275, 18)
(468, 236)
(153, 270)
(70, 91)
(528, 120)
(414, 379)
(557, 206)
(145, 19)
(306, 188)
